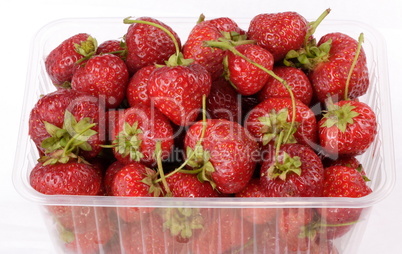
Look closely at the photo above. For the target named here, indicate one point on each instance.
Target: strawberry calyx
(310, 54)
(66, 142)
(282, 168)
(128, 142)
(150, 180)
(339, 116)
(181, 222)
(273, 124)
(86, 48)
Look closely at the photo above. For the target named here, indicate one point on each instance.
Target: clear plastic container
(95, 224)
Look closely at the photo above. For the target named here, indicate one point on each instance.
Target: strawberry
(87, 242)
(278, 32)
(115, 47)
(293, 171)
(293, 225)
(188, 185)
(134, 180)
(80, 219)
(147, 236)
(137, 89)
(109, 175)
(224, 155)
(347, 128)
(274, 115)
(295, 78)
(256, 215)
(342, 181)
(148, 44)
(105, 76)
(58, 117)
(177, 91)
(210, 30)
(244, 76)
(329, 77)
(71, 178)
(61, 60)
(224, 102)
(136, 132)
(234, 233)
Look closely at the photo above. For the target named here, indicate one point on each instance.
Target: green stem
(162, 178)
(313, 26)
(128, 20)
(355, 59)
(68, 149)
(278, 146)
(204, 127)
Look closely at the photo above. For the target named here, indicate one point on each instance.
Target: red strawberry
(137, 89)
(278, 32)
(210, 30)
(58, 116)
(329, 77)
(134, 180)
(224, 102)
(136, 132)
(90, 242)
(188, 185)
(147, 44)
(105, 76)
(293, 229)
(115, 47)
(109, 176)
(295, 78)
(347, 161)
(177, 91)
(274, 115)
(342, 181)
(231, 233)
(225, 155)
(256, 215)
(147, 236)
(348, 128)
(80, 219)
(71, 178)
(247, 78)
(295, 171)
(61, 60)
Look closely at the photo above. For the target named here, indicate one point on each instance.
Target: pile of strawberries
(266, 112)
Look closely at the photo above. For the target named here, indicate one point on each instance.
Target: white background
(21, 227)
